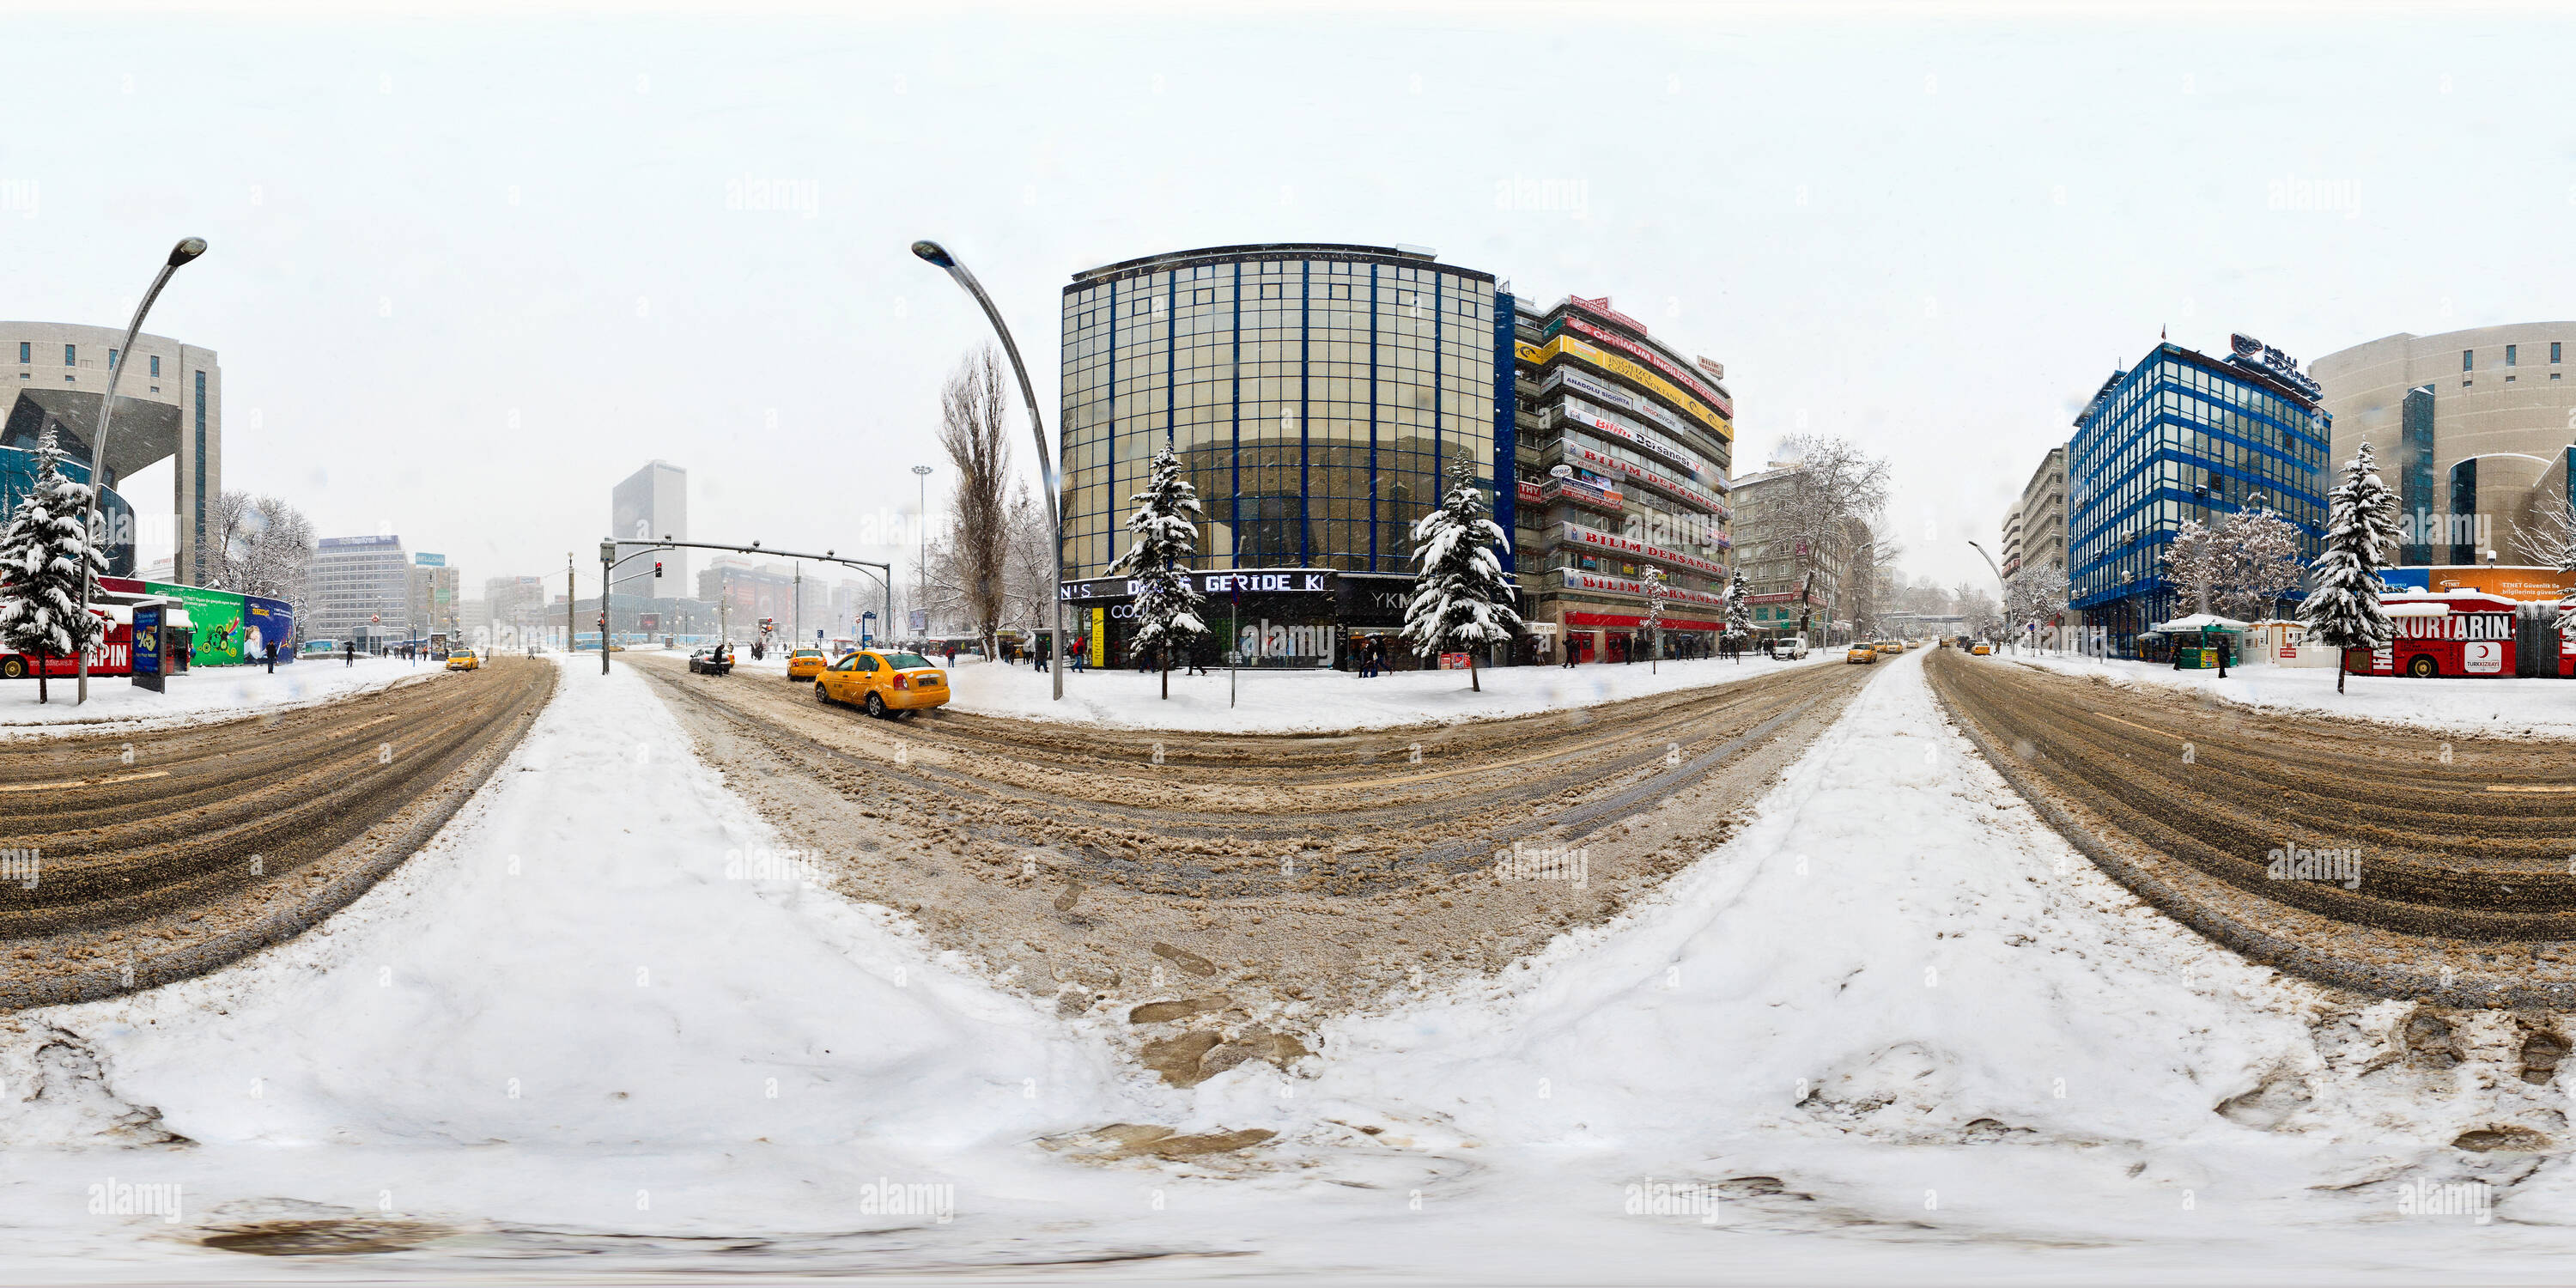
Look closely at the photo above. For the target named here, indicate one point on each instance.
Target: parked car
(886, 683)
(464, 660)
(1860, 655)
(806, 663)
(1791, 647)
(711, 661)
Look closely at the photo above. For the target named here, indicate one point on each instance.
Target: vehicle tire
(877, 706)
(821, 694)
(14, 669)
(2422, 667)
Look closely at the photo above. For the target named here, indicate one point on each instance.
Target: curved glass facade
(1316, 393)
(18, 475)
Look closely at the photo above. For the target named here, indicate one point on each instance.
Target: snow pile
(1327, 701)
(204, 695)
(2541, 707)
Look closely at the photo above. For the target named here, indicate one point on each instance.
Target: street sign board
(147, 647)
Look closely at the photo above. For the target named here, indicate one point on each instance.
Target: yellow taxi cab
(1889, 648)
(1860, 655)
(806, 663)
(886, 683)
(1981, 650)
(464, 660)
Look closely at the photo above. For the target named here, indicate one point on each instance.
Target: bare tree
(1029, 579)
(974, 413)
(262, 546)
(1835, 489)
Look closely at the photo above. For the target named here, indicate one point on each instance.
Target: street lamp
(2001, 587)
(186, 250)
(921, 564)
(933, 253)
(607, 562)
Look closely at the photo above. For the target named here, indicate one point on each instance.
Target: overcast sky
(468, 272)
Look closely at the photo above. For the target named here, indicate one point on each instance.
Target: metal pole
(935, 254)
(921, 561)
(797, 631)
(187, 249)
(572, 596)
(604, 561)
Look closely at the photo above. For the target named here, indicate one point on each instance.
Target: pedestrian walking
(952, 650)
(349, 650)
(272, 657)
(1039, 658)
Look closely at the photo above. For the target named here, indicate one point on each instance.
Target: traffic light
(657, 570)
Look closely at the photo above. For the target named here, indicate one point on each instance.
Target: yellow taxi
(885, 683)
(464, 660)
(806, 663)
(1890, 648)
(1981, 650)
(1860, 655)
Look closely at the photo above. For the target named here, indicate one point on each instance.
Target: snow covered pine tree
(1163, 536)
(40, 568)
(1739, 618)
(2343, 611)
(1459, 595)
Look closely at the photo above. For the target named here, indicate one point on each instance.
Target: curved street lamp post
(936, 255)
(186, 250)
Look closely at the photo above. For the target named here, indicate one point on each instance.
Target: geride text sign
(1246, 581)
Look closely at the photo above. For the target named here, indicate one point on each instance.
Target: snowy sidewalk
(202, 696)
(2541, 707)
(1332, 701)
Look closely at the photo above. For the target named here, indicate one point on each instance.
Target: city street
(2448, 873)
(1305, 874)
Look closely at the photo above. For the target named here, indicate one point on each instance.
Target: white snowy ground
(1324, 701)
(203, 695)
(2542, 707)
(1894, 933)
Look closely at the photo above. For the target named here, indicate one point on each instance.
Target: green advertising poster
(217, 639)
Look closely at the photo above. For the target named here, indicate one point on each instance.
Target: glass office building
(1316, 393)
(2184, 436)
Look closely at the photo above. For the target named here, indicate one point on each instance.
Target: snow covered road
(1895, 1026)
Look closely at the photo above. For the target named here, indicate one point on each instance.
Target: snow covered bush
(2343, 611)
(40, 568)
(1163, 536)
(1460, 598)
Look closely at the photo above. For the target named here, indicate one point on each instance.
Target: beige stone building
(2471, 429)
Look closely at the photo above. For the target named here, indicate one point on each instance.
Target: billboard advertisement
(217, 636)
(267, 621)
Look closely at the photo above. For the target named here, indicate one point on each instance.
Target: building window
(111, 359)
(2553, 353)
(1270, 290)
(1203, 295)
(2509, 354)
(71, 355)
(2468, 359)
(156, 366)
(26, 351)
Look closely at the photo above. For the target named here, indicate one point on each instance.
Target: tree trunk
(1167, 676)
(1472, 682)
(2342, 665)
(42, 695)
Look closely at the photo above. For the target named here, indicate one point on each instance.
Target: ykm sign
(1248, 581)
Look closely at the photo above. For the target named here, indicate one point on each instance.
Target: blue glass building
(2182, 436)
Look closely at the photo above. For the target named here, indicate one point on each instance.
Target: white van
(1791, 647)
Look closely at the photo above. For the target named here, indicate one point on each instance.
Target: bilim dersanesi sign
(1214, 585)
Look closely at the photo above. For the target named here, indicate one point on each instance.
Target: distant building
(652, 502)
(1789, 588)
(744, 592)
(361, 591)
(2184, 436)
(433, 597)
(2035, 529)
